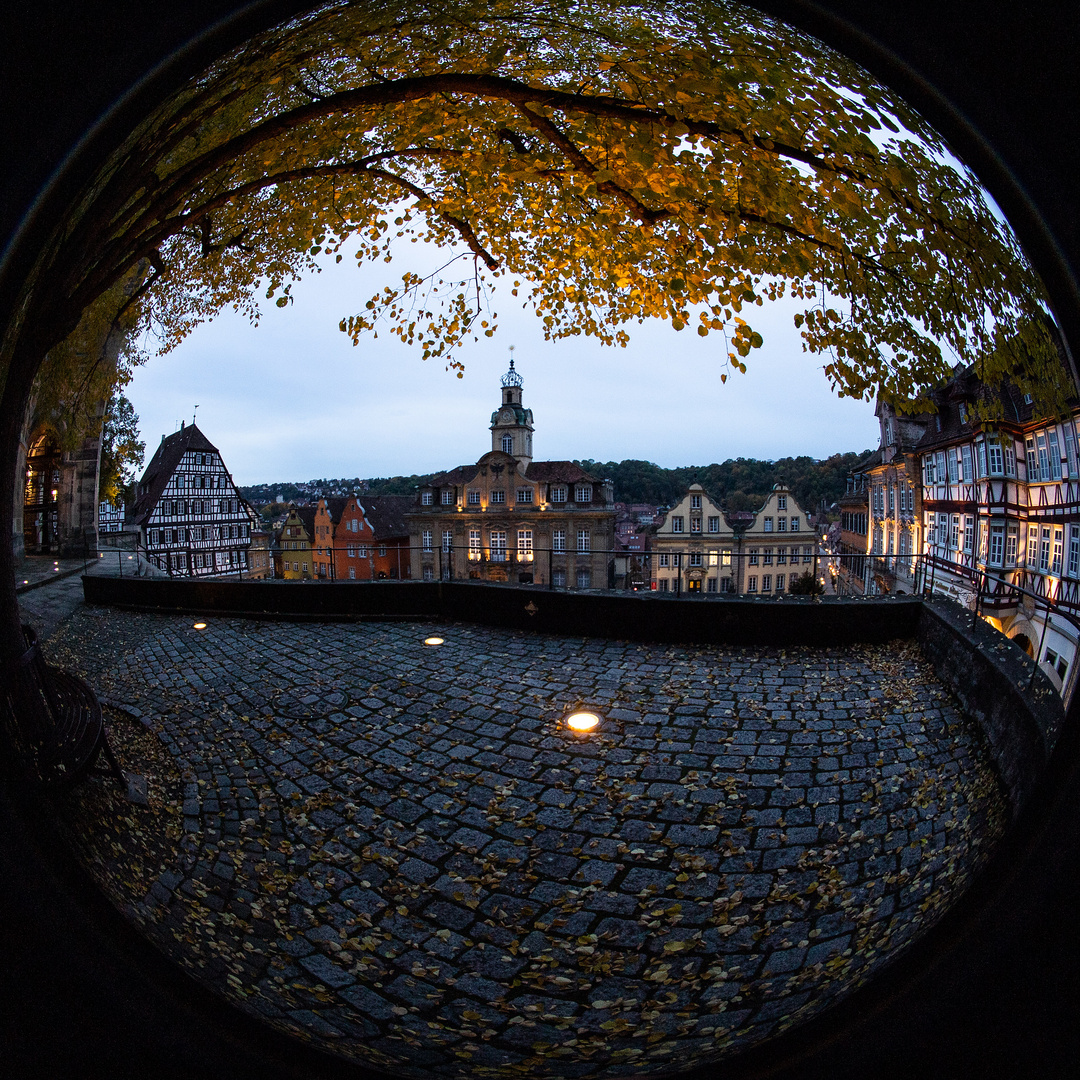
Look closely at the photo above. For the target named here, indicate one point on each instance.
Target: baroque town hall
(509, 518)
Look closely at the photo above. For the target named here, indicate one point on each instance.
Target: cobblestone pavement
(400, 852)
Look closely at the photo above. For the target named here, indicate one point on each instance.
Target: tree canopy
(601, 162)
(122, 451)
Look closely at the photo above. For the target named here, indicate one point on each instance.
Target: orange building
(361, 539)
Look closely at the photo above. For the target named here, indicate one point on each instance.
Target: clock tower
(512, 425)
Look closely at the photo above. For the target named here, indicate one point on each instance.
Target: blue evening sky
(294, 400)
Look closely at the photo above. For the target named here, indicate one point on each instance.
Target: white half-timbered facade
(1001, 507)
(191, 519)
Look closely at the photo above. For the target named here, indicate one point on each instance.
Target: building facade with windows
(189, 515)
(293, 545)
(693, 548)
(1001, 507)
(509, 518)
(776, 547)
(361, 538)
(894, 498)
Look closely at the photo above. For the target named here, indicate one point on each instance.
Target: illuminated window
(498, 545)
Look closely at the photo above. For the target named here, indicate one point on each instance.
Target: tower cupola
(511, 424)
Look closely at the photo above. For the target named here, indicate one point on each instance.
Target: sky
(293, 400)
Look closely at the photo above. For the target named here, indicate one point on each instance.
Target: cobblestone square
(401, 852)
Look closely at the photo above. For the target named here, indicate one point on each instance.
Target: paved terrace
(399, 851)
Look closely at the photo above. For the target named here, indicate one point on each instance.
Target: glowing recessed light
(433, 641)
(200, 626)
(582, 721)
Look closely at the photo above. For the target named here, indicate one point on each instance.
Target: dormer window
(448, 497)
(426, 498)
(583, 494)
(558, 493)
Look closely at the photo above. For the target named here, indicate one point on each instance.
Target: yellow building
(693, 548)
(511, 519)
(293, 560)
(777, 546)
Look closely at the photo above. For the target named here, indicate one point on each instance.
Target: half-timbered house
(190, 517)
(1001, 508)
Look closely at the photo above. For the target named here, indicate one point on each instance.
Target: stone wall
(990, 677)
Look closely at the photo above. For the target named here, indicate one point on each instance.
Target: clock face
(506, 415)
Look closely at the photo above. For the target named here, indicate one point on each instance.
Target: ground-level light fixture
(433, 640)
(200, 626)
(582, 721)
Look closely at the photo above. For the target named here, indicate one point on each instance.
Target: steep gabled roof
(307, 515)
(335, 507)
(162, 466)
(386, 514)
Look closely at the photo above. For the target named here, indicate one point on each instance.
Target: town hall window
(583, 494)
(677, 524)
(508, 444)
(714, 524)
(558, 494)
(498, 496)
(558, 540)
(448, 497)
(474, 497)
(695, 502)
(524, 495)
(426, 499)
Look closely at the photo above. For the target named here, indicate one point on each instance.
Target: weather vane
(193, 416)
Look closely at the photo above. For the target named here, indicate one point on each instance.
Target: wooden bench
(56, 722)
